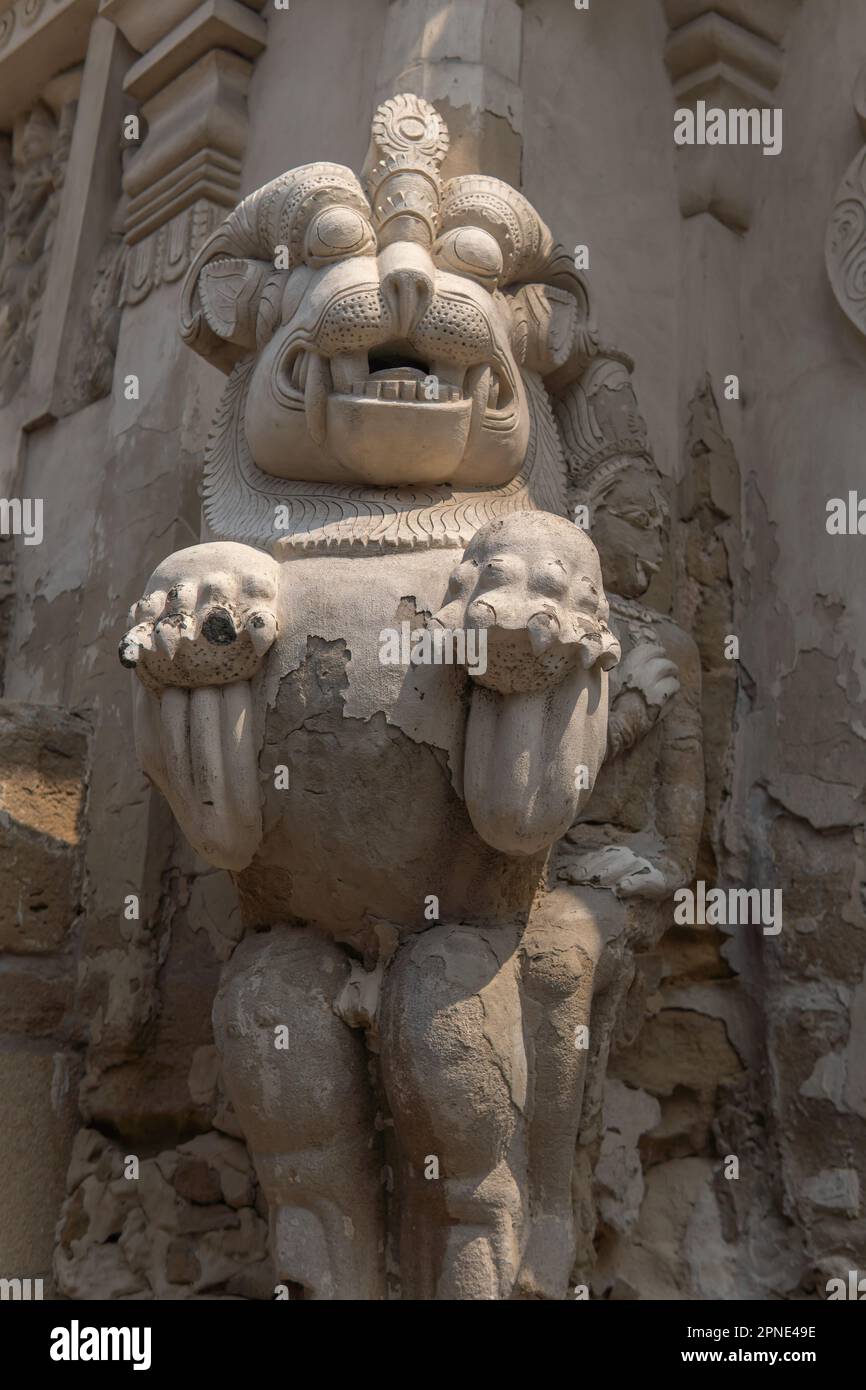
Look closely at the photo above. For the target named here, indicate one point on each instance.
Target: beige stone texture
(42, 791)
(432, 877)
(37, 1126)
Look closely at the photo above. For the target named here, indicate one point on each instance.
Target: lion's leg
(303, 1099)
(559, 953)
(454, 1070)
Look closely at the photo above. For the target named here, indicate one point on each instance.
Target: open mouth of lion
(364, 406)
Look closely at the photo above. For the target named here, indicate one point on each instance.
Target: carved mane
(241, 501)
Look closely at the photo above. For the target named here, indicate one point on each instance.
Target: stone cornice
(38, 40)
(191, 79)
(727, 53)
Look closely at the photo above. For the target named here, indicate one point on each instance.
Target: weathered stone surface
(165, 1233)
(33, 1001)
(441, 1031)
(37, 1124)
(226, 623)
(43, 771)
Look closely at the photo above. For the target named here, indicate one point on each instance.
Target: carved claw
(207, 618)
(528, 585)
(262, 629)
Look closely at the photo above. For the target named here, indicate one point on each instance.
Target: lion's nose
(406, 278)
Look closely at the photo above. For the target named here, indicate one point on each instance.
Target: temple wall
(751, 1045)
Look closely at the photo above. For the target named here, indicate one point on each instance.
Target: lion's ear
(545, 320)
(230, 291)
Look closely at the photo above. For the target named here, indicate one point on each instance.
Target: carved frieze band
(164, 256)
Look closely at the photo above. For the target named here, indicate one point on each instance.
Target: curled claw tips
(598, 644)
(129, 652)
(262, 628)
(543, 631)
(170, 630)
(139, 639)
(481, 613)
(150, 606)
(181, 598)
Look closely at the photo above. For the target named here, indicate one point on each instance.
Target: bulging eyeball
(337, 232)
(470, 251)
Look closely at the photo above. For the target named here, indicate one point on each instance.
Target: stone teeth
(402, 390)
(450, 374)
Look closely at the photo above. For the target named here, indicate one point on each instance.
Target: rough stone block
(43, 762)
(37, 1123)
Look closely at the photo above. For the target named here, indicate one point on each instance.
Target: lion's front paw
(529, 589)
(207, 617)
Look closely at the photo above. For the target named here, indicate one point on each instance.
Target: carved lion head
(391, 323)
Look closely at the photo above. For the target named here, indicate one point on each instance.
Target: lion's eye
(470, 251)
(335, 233)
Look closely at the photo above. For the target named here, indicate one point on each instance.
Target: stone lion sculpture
(397, 1028)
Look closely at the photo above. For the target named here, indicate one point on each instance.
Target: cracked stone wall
(800, 751)
(753, 1046)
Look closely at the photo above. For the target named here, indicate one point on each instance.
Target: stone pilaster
(464, 58)
(191, 81)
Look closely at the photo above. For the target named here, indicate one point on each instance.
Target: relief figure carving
(389, 828)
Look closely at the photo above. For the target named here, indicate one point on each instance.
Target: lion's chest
(362, 756)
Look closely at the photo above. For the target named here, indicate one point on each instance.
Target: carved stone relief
(386, 459)
(845, 243)
(40, 148)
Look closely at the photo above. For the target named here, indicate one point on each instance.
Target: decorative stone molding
(192, 78)
(39, 39)
(164, 256)
(845, 241)
(217, 24)
(728, 54)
